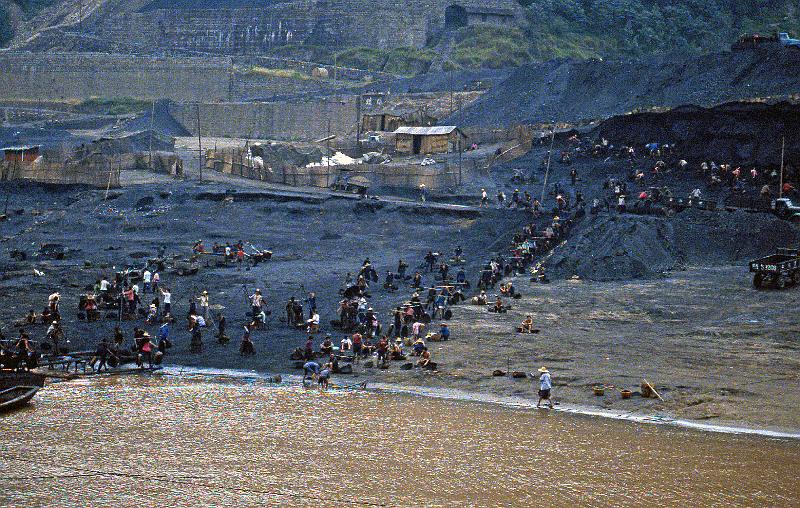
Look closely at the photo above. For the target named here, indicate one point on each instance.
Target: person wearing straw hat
(545, 385)
(203, 299)
(256, 301)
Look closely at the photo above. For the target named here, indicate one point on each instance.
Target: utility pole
(152, 119)
(328, 175)
(460, 151)
(199, 143)
(450, 74)
(358, 123)
(783, 149)
(549, 157)
(335, 67)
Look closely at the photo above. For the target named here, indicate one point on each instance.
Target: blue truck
(752, 41)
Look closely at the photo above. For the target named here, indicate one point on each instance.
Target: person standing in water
(545, 385)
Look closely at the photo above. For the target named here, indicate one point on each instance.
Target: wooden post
(460, 151)
(152, 119)
(358, 123)
(450, 75)
(328, 177)
(549, 158)
(199, 143)
(783, 149)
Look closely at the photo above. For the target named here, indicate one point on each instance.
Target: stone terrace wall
(290, 121)
(65, 76)
(223, 31)
(249, 30)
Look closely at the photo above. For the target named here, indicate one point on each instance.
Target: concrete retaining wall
(68, 76)
(296, 121)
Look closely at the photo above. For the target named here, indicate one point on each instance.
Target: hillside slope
(569, 90)
(549, 29)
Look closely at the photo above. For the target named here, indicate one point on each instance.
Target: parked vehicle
(779, 270)
(785, 209)
(752, 41)
(787, 41)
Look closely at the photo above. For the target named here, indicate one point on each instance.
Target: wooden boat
(10, 379)
(16, 397)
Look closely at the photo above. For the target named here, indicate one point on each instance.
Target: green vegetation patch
(117, 106)
(489, 46)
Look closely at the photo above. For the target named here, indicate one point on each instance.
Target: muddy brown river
(183, 441)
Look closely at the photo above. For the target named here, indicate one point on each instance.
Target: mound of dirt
(623, 247)
(730, 237)
(568, 90)
(617, 247)
(738, 132)
(162, 121)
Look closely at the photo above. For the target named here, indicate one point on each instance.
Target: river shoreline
(511, 402)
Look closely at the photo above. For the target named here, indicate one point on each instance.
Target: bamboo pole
(653, 389)
(549, 158)
(783, 150)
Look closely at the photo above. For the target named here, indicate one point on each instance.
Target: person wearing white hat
(256, 301)
(545, 385)
(203, 299)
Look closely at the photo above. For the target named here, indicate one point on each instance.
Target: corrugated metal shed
(436, 130)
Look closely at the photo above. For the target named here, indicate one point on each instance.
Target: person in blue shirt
(444, 332)
(545, 385)
(163, 338)
(310, 369)
(324, 377)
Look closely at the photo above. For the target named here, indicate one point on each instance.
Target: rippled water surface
(170, 441)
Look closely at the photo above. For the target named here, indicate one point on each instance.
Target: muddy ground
(714, 348)
(690, 322)
(316, 241)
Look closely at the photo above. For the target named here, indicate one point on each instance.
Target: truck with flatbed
(785, 209)
(779, 270)
(753, 41)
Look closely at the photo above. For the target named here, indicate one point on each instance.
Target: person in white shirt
(167, 300)
(203, 299)
(313, 323)
(146, 278)
(545, 385)
(256, 301)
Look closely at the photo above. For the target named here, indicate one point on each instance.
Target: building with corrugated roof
(429, 140)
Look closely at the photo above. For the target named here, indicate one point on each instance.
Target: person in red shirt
(356, 346)
(240, 256)
(383, 349)
(130, 297)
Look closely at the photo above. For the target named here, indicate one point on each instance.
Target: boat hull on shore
(16, 397)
